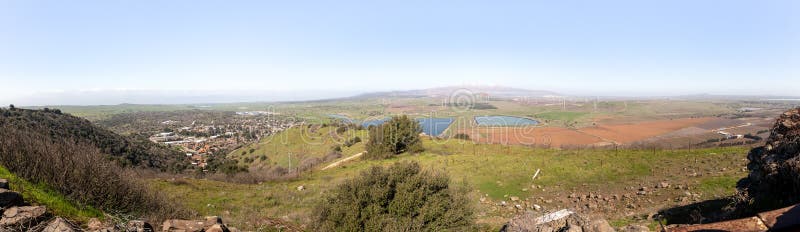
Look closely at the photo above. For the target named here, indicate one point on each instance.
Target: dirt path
(334, 164)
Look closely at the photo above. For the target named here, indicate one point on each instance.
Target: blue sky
(341, 47)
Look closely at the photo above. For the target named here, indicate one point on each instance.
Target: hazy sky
(639, 47)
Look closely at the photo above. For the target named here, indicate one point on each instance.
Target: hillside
(500, 179)
(127, 151)
(302, 146)
(69, 168)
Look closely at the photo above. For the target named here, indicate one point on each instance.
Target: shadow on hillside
(700, 212)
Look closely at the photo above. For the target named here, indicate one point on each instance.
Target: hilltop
(58, 126)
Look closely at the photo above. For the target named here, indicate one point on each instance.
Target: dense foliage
(398, 198)
(126, 150)
(62, 152)
(398, 135)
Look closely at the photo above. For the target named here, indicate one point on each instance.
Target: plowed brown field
(538, 136)
(599, 134)
(626, 133)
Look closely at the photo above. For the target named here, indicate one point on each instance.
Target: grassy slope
(302, 143)
(496, 170)
(44, 195)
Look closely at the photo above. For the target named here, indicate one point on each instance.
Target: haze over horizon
(111, 52)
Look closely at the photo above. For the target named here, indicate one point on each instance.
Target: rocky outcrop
(3, 184)
(774, 178)
(774, 181)
(562, 220)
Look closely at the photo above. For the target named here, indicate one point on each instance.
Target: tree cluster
(396, 136)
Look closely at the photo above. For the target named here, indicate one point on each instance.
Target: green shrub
(461, 136)
(398, 135)
(399, 198)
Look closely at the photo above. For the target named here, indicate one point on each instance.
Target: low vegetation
(401, 197)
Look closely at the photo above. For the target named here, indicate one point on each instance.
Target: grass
(719, 185)
(494, 170)
(54, 201)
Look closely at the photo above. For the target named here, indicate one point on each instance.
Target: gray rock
(94, 224)
(4, 184)
(22, 217)
(635, 228)
(194, 225)
(562, 220)
(139, 226)
(59, 224)
(598, 225)
(183, 225)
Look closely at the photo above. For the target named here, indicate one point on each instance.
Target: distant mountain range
(492, 91)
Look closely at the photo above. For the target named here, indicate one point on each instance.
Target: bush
(398, 135)
(336, 148)
(461, 136)
(399, 198)
(352, 141)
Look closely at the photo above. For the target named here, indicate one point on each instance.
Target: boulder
(22, 217)
(211, 223)
(10, 198)
(635, 228)
(562, 220)
(59, 224)
(94, 224)
(598, 225)
(139, 226)
(4, 184)
(217, 228)
(183, 225)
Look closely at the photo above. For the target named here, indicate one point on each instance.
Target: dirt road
(334, 164)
